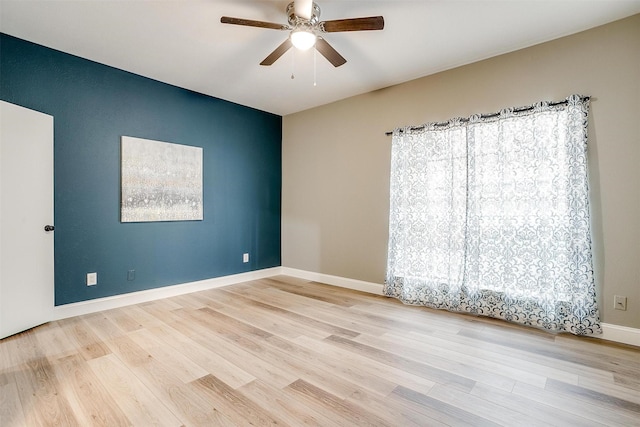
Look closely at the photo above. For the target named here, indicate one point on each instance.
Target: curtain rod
(488, 116)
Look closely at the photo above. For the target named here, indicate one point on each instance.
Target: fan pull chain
(314, 67)
(293, 63)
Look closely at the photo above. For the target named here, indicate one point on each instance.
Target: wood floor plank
(189, 301)
(133, 398)
(586, 365)
(595, 346)
(274, 305)
(83, 390)
(351, 375)
(237, 406)
(54, 342)
(451, 362)
(323, 311)
(515, 367)
(11, 411)
(245, 360)
(178, 363)
(629, 381)
(395, 320)
(269, 324)
(353, 414)
(315, 293)
(90, 345)
(373, 367)
(346, 319)
(274, 351)
(401, 362)
(483, 409)
(444, 321)
(392, 414)
(570, 404)
(140, 316)
(159, 309)
(543, 361)
(227, 325)
(595, 397)
(37, 387)
(540, 413)
(122, 318)
(180, 398)
(20, 349)
(37, 384)
(102, 326)
(435, 409)
(129, 351)
(291, 352)
(631, 394)
(286, 405)
(278, 321)
(283, 278)
(210, 361)
(494, 366)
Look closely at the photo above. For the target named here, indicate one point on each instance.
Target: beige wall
(336, 157)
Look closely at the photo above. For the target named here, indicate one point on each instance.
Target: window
(490, 215)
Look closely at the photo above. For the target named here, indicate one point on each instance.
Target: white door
(26, 207)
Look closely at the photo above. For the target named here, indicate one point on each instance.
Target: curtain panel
(490, 215)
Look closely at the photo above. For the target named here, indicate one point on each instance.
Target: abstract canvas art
(161, 181)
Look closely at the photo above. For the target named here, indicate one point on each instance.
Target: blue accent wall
(93, 105)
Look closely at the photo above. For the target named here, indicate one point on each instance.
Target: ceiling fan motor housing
(295, 21)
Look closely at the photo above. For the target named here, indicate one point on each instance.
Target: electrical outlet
(131, 275)
(92, 279)
(620, 302)
(245, 258)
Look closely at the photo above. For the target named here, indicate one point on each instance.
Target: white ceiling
(182, 42)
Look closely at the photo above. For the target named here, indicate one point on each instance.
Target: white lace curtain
(490, 215)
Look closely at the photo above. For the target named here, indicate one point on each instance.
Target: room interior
(302, 184)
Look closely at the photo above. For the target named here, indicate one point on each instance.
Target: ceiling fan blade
(329, 52)
(252, 23)
(353, 24)
(280, 50)
(303, 8)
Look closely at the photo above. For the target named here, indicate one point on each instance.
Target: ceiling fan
(306, 30)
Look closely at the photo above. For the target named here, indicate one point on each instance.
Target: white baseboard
(108, 303)
(358, 285)
(620, 334)
(610, 332)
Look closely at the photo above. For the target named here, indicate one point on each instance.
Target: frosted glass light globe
(302, 39)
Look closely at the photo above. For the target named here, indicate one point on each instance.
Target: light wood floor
(283, 351)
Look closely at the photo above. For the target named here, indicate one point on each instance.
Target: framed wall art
(161, 181)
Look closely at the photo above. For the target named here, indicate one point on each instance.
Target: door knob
(48, 228)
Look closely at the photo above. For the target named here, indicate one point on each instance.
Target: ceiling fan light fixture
(303, 39)
(306, 30)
